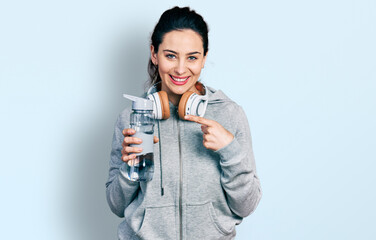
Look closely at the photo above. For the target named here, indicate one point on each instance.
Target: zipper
(180, 185)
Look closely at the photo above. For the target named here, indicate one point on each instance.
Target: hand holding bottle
(128, 152)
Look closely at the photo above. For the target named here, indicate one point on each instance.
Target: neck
(174, 98)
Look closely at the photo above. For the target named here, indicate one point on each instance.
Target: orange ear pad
(199, 87)
(183, 103)
(165, 106)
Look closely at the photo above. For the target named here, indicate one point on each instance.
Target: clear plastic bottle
(142, 167)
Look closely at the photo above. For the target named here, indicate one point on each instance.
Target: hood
(216, 96)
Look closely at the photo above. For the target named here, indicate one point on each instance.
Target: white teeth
(179, 79)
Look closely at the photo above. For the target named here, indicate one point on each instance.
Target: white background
(304, 71)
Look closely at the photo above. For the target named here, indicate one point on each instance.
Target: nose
(180, 67)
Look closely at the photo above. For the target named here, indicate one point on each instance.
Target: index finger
(128, 132)
(199, 120)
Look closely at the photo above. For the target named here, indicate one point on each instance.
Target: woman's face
(180, 58)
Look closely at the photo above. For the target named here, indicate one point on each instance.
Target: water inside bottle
(141, 168)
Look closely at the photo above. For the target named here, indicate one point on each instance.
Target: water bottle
(141, 119)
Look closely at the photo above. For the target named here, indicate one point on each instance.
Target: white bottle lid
(140, 103)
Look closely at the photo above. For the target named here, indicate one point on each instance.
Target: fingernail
(186, 117)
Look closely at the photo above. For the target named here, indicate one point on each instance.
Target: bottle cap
(140, 103)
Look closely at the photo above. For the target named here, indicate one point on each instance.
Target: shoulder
(224, 110)
(217, 99)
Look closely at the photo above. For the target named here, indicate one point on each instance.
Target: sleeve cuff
(230, 150)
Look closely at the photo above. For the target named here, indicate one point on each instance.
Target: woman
(205, 178)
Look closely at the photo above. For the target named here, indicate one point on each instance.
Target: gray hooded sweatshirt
(196, 193)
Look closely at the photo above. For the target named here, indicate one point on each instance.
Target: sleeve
(119, 190)
(238, 178)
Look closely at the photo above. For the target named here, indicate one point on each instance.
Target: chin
(184, 89)
(179, 89)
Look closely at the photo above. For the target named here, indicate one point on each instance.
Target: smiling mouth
(179, 80)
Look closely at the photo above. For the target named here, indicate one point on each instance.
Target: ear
(204, 60)
(153, 55)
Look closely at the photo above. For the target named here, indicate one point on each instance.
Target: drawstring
(160, 158)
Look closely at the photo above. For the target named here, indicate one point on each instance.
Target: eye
(192, 58)
(170, 56)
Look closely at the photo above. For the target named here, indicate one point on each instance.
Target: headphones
(190, 103)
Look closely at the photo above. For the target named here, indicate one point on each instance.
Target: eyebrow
(191, 53)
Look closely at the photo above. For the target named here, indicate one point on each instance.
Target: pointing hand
(214, 134)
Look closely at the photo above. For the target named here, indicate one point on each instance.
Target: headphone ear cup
(183, 104)
(165, 106)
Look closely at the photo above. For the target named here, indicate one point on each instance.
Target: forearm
(120, 192)
(239, 179)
